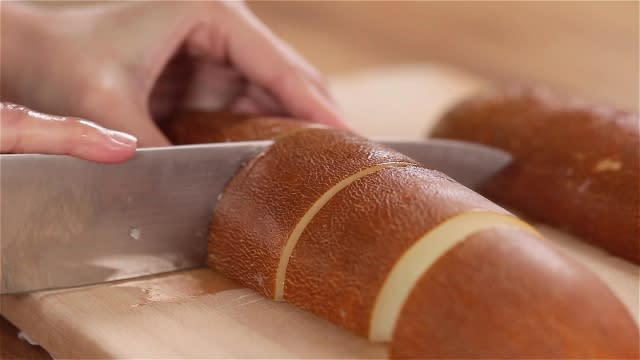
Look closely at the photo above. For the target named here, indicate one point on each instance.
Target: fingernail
(122, 138)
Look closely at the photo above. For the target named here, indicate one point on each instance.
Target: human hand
(126, 65)
(26, 131)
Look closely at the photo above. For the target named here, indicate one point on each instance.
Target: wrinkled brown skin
(346, 252)
(266, 199)
(199, 127)
(557, 144)
(502, 293)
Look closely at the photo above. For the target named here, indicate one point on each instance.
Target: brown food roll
(264, 203)
(198, 127)
(504, 294)
(316, 183)
(346, 252)
(576, 165)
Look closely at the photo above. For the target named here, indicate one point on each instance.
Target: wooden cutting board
(199, 313)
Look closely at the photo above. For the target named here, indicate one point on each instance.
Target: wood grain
(194, 314)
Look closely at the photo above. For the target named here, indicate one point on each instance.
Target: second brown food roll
(576, 164)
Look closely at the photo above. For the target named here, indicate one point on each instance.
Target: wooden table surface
(587, 48)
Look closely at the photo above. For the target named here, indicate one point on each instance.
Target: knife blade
(66, 222)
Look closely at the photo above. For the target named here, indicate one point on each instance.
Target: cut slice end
(420, 257)
(504, 294)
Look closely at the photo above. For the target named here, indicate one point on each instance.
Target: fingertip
(112, 156)
(119, 156)
(109, 146)
(105, 154)
(122, 147)
(332, 117)
(123, 139)
(324, 111)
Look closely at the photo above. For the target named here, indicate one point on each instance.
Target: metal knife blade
(468, 163)
(66, 222)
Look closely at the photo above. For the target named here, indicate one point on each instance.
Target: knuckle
(98, 90)
(11, 123)
(12, 114)
(283, 78)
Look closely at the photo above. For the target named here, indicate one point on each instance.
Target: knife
(66, 222)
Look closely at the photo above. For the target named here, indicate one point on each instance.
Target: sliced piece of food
(197, 127)
(420, 256)
(268, 203)
(358, 259)
(576, 165)
(502, 293)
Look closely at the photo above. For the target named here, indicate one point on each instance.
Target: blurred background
(588, 48)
